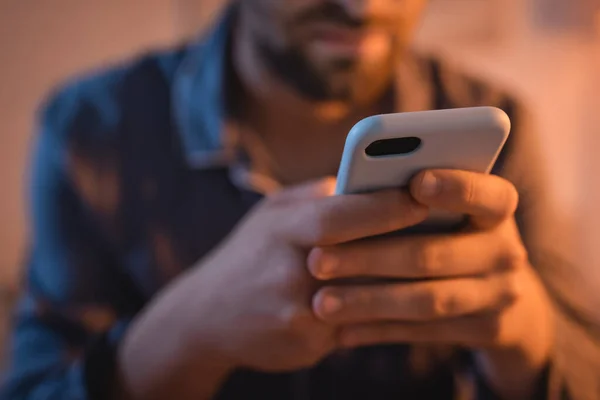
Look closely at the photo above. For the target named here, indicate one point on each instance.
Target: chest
(173, 218)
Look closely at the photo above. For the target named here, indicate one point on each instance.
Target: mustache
(334, 13)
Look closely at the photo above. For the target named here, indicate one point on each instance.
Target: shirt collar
(199, 98)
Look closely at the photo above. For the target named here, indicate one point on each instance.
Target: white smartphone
(386, 151)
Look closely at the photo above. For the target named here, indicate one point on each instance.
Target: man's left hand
(474, 288)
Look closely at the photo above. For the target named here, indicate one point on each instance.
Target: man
(186, 243)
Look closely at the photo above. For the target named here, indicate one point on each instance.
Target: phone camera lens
(393, 147)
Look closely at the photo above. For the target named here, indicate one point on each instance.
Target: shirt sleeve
(76, 301)
(574, 368)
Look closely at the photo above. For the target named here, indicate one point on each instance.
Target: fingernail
(430, 185)
(328, 265)
(330, 304)
(322, 265)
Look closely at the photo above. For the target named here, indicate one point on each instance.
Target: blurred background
(547, 52)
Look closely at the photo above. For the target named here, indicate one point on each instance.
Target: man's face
(331, 49)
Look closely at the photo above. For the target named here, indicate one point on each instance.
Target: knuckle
(513, 287)
(401, 209)
(395, 208)
(439, 304)
(320, 223)
(427, 258)
(360, 299)
(438, 307)
(433, 304)
(516, 257)
(351, 301)
(284, 273)
(314, 345)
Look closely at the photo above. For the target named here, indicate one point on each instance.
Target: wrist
(514, 369)
(163, 355)
(198, 381)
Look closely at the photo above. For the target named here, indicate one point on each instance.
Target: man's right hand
(248, 305)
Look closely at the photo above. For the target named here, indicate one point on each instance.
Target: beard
(294, 69)
(345, 79)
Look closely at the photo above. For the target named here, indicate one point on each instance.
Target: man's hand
(249, 303)
(474, 288)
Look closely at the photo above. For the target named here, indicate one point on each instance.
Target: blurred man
(186, 243)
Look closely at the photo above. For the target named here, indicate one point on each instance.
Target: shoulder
(93, 102)
(452, 86)
(457, 87)
(86, 124)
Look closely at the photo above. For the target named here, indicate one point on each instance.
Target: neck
(293, 139)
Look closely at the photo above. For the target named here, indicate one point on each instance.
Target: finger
(418, 301)
(476, 331)
(488, 199)
(339, 219)
(420, 256)
(311, 190)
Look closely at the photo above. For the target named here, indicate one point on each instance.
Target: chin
(333, 66)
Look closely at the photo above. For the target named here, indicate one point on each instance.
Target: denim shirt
(134, 180)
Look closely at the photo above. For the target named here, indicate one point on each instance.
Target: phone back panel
(466, 139)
